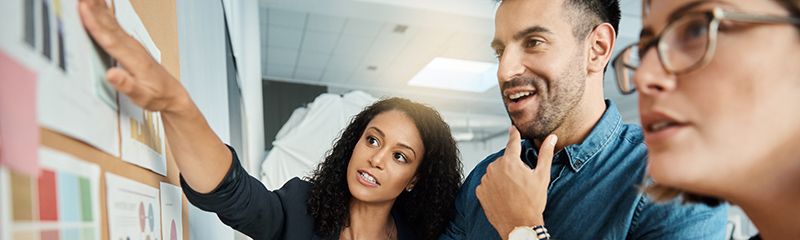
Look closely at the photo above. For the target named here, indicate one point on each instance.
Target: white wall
(201, 39)
(244, 24)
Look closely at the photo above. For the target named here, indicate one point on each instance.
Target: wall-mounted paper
(63, 202)
(142, 131)
(171, 208)
(66, 98)
(133, 209)
(19, 131)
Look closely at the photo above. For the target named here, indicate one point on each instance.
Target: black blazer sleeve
(243, 203)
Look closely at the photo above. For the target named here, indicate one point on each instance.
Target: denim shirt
(594, 193)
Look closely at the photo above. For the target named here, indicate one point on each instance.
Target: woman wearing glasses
(719, 87)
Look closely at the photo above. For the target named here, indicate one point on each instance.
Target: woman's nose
(651, 77)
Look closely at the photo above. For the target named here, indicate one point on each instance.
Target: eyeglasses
(685, 45)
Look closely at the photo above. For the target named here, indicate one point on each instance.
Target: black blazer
(243, 203)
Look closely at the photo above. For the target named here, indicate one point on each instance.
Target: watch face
(522, 233)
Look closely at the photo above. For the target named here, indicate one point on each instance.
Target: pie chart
(173, 235)
(141, 216)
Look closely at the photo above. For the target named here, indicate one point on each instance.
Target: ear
(412, 183)
(601, 43)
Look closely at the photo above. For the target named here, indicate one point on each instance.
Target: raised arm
(201, 156)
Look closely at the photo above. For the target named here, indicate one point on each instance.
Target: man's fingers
(545, 159)
(513, 148)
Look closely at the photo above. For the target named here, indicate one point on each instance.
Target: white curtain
(308, 134)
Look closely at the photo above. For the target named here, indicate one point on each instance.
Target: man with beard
(584, 183)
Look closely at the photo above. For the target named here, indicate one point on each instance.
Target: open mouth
(655, 127)
(516, 97)
(368, 178)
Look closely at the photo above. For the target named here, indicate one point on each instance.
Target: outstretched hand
(141, 78)
(510, 192)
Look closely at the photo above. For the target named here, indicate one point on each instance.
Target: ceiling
(378, 45)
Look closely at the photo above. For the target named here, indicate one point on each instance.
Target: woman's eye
(400, 157)
(372, 141)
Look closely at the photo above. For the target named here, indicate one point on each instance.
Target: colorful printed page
(61, 203)
(133, 209)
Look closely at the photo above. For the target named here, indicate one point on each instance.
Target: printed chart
(142, 131)
(48, 36)
(133, 209)
(171, 207)
(61, 203)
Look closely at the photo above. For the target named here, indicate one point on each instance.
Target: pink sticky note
(19, 128)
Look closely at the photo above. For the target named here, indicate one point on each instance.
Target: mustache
(519, 81)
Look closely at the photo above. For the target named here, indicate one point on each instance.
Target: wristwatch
(529, 233)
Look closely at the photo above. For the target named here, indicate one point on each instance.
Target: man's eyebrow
(534, 29)
(496, 43)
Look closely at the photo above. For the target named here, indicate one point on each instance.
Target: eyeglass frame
(717, 15)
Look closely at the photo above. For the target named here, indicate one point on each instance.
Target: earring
(409, 189)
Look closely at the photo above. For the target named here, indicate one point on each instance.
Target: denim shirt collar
(604, 132)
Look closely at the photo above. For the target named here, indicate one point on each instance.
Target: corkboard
(160, 19)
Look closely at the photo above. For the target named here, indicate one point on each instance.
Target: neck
(772, 204)
(369, 220)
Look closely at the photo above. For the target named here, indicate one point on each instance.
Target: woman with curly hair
(393, 173)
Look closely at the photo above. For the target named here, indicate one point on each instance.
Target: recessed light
(457, 74)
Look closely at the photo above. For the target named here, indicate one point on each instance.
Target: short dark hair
(588, 14)
(428, 207)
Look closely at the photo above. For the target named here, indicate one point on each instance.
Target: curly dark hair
(428, 207)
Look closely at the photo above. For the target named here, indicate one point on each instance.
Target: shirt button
(577, 164)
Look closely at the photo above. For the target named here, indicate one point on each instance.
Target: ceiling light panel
(456, 74)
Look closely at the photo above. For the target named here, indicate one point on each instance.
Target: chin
(681, 169)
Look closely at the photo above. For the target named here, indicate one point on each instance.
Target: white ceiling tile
(432, 36)
(362, 27)
(319, 41)
(470, 40)
(417, 53)
(281, 56)
(325, 23)
(356, 46)
(284, 37)
(335, 76)
(365, 76)
(309, 74)
(280, 70)
(287, 18)
(457, 52)
(313, 59)
(342, 63)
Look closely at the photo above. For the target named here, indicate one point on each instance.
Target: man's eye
(498, 53)
(532, 43)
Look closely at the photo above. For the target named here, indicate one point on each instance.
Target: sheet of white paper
(142, 131)
(66, 97)
(63, 202)
(171, 217)
(133, 209)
